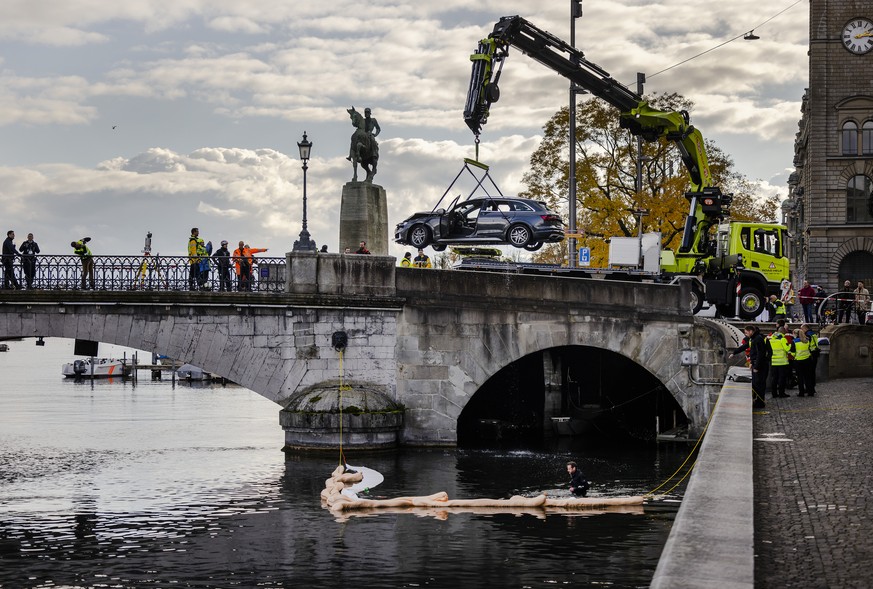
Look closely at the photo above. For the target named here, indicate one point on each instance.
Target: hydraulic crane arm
(555, 54)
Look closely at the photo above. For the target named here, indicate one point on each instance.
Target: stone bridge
(428, 339)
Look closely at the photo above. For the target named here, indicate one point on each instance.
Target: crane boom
(636, 114)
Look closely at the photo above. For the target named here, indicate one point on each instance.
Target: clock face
(858, 36)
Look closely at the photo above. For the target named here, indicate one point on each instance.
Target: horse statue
(363, 150)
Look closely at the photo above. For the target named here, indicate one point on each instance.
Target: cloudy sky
(122, 117)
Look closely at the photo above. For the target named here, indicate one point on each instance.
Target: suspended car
(499, 220)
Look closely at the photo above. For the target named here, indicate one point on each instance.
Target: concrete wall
(711, 543)
(851, 350)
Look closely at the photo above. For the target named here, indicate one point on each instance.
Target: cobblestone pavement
(813, 479)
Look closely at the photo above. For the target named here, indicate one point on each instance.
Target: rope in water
(690, 454)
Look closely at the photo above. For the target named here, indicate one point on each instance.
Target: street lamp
(304, 244)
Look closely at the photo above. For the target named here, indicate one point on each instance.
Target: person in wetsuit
(578, 483)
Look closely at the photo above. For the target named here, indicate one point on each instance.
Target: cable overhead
(747, 35)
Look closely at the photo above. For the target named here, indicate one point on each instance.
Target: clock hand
(864, 34)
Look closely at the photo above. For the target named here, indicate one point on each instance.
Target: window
(859, 200)
(857, 266)
(766, 242)
(850, 138)
(867, 138)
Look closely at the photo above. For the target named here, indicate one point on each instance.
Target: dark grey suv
(521, 222)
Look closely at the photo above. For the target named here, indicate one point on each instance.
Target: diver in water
(578, 483)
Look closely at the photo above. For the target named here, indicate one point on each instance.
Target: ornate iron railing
(148, 273)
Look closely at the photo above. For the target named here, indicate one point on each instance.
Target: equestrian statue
(364, 149)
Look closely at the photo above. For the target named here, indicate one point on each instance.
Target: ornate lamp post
(304, 244)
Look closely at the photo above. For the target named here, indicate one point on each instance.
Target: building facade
(829, 211)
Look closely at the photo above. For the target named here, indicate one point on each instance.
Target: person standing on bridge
(9, 253)
(222, 262)
(578, 483)
(196, 253)
(84, 253)
(845, 302)
(421, 260)
(862, 303)
(29, 249)
(806, 297)
(759, 363)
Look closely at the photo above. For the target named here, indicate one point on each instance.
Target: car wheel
(439, 247)
(751, 303)
(532, 247)
(419, 236)
(519, 235)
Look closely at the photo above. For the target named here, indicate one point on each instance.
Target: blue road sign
(584, 256)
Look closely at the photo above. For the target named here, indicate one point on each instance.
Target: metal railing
(146, 273)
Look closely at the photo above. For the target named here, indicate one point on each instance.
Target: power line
(726, 42)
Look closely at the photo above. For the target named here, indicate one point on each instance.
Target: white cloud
(183, 74)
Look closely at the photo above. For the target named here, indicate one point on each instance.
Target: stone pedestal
(364, 217)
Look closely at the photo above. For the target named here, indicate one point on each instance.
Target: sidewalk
(813, 480)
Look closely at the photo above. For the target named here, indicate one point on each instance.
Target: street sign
(584, 256)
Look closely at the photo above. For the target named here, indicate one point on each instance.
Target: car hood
(415, 216)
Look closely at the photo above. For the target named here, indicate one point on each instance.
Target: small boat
(4, 347)
(102, 368)
(192, 373)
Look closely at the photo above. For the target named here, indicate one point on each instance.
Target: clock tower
(829, 211)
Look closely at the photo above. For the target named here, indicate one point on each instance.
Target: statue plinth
(364, 217)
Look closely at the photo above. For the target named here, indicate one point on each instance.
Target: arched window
(867, 138)
(850, 138)
(859, 200)
(856, 266)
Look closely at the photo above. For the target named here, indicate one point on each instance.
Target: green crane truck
(727, 261)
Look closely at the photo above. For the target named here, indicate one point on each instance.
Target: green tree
(606, 194)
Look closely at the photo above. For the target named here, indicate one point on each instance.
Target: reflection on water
(127, 486)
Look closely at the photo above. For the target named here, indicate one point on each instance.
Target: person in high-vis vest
(803, 364)
(406, 262)
(778, 309)
(196, 253)
(814, 352)
(81, 250)
(779, 364)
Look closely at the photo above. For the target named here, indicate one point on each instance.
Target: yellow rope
(690, 454)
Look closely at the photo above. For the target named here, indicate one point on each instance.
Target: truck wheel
(439, 247)
(519, 235)
(696, 299)
(751, 303)
(419, 236)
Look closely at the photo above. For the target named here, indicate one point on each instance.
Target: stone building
(830, 207)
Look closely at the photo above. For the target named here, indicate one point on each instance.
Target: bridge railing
(147, 273)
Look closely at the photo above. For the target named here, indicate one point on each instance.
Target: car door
(493, 219)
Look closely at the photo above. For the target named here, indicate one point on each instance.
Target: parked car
(520, 222)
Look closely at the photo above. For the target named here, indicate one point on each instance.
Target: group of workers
(420, 261)
(778, 357)
(242, 260)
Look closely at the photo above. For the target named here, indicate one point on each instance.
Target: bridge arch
(569, 390)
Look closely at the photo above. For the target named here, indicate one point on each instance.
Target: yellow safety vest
(801, 350)
(780, 351)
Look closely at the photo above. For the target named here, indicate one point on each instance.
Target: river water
(150, 485)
